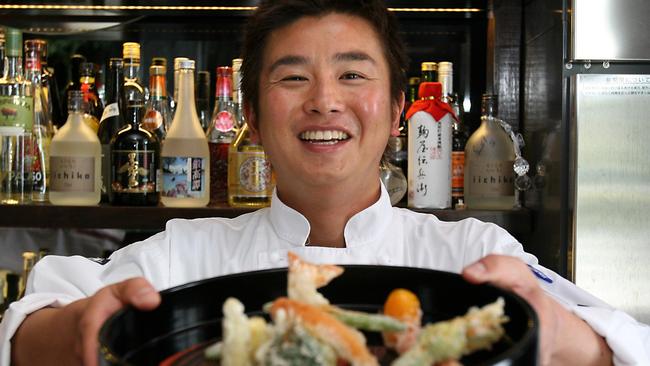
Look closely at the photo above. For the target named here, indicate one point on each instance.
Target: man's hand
(45, 329)
(565, 339)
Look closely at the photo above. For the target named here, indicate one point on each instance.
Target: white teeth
(324, 136)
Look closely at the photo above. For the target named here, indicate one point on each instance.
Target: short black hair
(275, 14)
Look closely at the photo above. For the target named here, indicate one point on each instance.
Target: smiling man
(323, 83)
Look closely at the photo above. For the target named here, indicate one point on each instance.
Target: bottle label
(152, 120)
(32, 63)
(41, 168)
(183, 177)
(111, 110)
(17, 111)
(224, 121)
(457, 173)
(253, 174)
(134, 171)
(429, 161)
(72, 174)
(491, 178)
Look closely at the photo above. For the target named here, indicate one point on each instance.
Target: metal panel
(612, 230)
(611, 30)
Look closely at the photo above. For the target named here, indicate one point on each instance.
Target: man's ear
(397, 112)
(253, 124)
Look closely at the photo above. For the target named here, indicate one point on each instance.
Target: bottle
(157, 116)
(220, 134)
(429, 73)
(112, 120)
(29, 259)
(237, 95)
(42, 128)
(429, 147)
(250, 177)
(50, 87)
(489, 158)
(162, 61)
(174, 97)
(16, 122)
(394, 180)
(203, 99)
(185, 155)
(135, 161)
(133, 88)
(91, 96)
(459, 133)
(2, 50)
(75, 76)
(75, 159)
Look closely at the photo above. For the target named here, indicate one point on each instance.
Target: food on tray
(307, 330)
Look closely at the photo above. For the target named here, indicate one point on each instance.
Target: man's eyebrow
(288, 60)
(354, 56)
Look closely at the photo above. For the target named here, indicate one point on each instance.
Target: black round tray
(189, 317)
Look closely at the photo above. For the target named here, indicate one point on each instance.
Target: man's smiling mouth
(328, 137)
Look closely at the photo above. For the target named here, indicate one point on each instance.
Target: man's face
(325, 110)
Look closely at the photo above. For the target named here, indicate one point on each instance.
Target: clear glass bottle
(135, 162)
(157, 117)
(42, 128)
(16, 122)
(489, 158)
(112, 120)
(237, 95)
(220, 134)
(75, 159)
(203, 99)
(459, 133)
(134, 89)
(91, 95)
(185, 155)
(250, 176)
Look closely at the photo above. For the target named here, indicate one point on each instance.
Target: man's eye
(294, 78)
(351, 76)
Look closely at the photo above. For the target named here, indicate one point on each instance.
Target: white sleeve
(628, 339)
(57, 281)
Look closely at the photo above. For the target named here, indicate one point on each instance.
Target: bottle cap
(115, 62)
(13, 42)
(236, 64)
(186, 64)
(131, 50)
(445, 68)
(429, 66)
(430, 89)
(159, 61)
(157, 70)
(36, 45)
(177, 62)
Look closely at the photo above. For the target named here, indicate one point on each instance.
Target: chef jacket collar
(365, 226)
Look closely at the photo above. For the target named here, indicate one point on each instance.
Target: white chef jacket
(190, 250)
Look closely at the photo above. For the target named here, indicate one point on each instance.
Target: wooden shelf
(154, 218)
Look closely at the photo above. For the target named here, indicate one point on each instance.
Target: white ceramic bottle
(185, 155)
(75, 159)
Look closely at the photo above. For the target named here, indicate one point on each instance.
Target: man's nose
(324, 97)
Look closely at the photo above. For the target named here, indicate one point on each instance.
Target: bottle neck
(185, 98)
(33, 67)
(447, 82)
(114, 87)
(87, 80)
(133, 114)
(157, 84)
(132, 69)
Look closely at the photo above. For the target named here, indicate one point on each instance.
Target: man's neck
(329, 209)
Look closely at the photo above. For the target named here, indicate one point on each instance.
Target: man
(323, 85)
